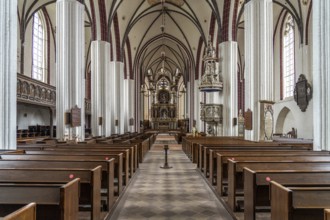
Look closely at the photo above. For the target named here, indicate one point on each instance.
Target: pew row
(211, 164)
(235, 173)
(27, 212)
(118, 167)
(303, 203)
(256, 185)
(54, 201)
(90, 182)
(326, 214)
(221, 174)
(107, 171)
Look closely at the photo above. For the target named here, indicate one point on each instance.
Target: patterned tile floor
(177, 193)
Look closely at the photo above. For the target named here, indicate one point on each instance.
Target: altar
(163, 111)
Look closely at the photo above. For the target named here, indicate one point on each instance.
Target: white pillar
(197, 106)
(228, 59)
(259, 77)
(187, 104)
(321, 74)
(131, 105)
(8, 73)
(70, 84)
(101, 97)
(116, 88)
(125, 103)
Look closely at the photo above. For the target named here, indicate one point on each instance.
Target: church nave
(177, 193)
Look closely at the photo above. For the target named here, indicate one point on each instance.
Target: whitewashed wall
(32, 115)
(302, 121)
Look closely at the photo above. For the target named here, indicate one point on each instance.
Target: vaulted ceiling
(134, 29)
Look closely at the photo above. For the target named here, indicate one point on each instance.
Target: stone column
(321, 74)
(259, 77)
(131, 105)
(8, 73)
(228, 60)
(70, 82)
(115, 88)
(101, 97)
(197, 106)
(123, 101)
(126, 102)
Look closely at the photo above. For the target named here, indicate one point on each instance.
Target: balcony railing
(35, 92)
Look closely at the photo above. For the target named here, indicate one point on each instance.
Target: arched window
(39, 48)
(288, 61)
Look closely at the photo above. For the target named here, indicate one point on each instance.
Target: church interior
(165, 109)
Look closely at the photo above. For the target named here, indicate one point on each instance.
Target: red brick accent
(234, 33)
(307, 22)
(212, 26)
(125, 65)
(48, 26)
(117, 35)
(225, 21)
(240, 92)
(88, 85)
(93, 20)
(111, 48)
(198, 57)
(103, 20)
(129, 54)
(281, 55)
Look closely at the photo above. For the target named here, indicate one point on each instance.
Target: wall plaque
(76, 116)
(268, 122)
(131, 121)
(248, 119)
(302, 93)
(241, 122)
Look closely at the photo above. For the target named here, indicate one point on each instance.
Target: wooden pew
(190, 144)
(118, 169)
(326, 214)
(235, 172)
(54, 201)
(210, 156)
(130, 152)
(11, 152)
(27, 212)
(303, 203)
(221, 168)
(90, 182)
(87, 155)
(256, 185)
(133, 149)
(107, 171)
(205, 150)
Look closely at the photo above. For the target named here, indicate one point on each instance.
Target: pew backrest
(27, 212)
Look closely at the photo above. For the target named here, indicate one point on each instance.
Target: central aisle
(177, 193)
